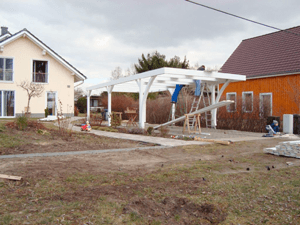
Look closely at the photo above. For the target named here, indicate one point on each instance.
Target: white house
(23, 57)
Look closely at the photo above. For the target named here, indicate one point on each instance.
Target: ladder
(195, 107)
(205, 98)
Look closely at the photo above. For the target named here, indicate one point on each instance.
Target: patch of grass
(108, 129)
(255, 197)
(9, 141)
(177, 217)
(6, 219)
(2, 127)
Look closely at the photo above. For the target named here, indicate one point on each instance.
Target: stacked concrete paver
(287, 148)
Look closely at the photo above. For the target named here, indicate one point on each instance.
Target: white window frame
(260, 102)
(2, 101)
(56, 100)
(48, 71)
(13, 69)
(227, 98)
(243, 97)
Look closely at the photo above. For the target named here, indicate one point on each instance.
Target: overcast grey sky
(96, 36)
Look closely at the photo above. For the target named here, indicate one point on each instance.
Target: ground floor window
(94, 103)
(7, 103)
(231, 96)
(247, 101)
(265, 104)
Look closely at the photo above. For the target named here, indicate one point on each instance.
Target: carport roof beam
(168, 77)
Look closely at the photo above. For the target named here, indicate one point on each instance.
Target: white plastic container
(288, 123)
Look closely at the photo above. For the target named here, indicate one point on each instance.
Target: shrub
(120, 103)
(76, 111)
(81, 104)
(64, 125)
(149, 130)
(158, 110)
(253, 121)
(95, 119)
(46, 112)
(115, 120)
(22, 122)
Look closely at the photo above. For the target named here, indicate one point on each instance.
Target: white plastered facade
(24, 48)
(164, 79)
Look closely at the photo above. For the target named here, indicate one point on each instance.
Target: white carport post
(216, 100)
(109, 90)
(88, 110)
(139, 83)
(214, 111)
(171, 90)
(222, 90)
(143, 94)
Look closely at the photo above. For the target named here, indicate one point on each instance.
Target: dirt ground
(138, 181)
(31, 141)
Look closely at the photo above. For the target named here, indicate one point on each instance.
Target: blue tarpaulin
(176, 92)
(198, 87)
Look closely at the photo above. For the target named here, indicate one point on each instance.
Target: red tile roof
(270, 54)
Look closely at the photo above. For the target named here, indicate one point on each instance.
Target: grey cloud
(173, 27)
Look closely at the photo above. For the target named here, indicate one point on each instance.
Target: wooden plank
(3, 176)
(211, 140)
(206, 109)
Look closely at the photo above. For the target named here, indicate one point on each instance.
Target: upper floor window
(40, 71)
(6, 69)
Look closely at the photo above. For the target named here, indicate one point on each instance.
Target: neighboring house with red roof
(24, 57)
(271, 64)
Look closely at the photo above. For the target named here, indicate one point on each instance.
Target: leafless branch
(32, 89)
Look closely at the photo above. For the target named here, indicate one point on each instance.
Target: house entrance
(51, 103)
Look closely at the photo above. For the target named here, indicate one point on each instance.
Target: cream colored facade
(24, 50)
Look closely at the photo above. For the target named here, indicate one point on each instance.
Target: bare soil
(144, 186)
(53, 141)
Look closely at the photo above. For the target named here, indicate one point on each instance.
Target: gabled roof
(276, 53)
(21, 33)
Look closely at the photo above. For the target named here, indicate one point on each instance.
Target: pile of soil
(36, 138)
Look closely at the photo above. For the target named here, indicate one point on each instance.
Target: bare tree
(32, 89)
(116, 73)
(78, 93)
(294, 93)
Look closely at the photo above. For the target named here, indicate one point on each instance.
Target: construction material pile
(287, 148)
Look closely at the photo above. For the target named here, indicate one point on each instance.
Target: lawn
(211, 184)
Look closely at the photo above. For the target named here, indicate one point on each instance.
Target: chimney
(4, 30)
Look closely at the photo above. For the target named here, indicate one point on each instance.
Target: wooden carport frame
(164, 79)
